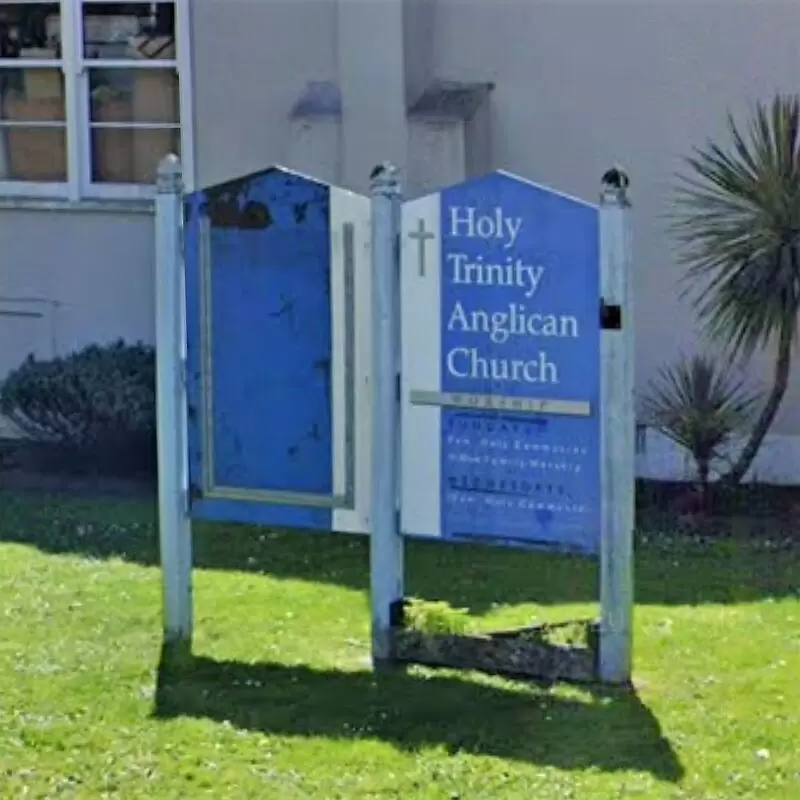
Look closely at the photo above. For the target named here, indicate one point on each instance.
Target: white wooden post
(386, 544)
(617, 433)
(175, 530)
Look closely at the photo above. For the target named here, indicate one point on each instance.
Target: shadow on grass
(607, 730)
(669, 570)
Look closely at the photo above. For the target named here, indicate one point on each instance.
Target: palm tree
(737, 219)
(700, 405)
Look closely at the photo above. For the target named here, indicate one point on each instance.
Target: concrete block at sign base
(515, 653)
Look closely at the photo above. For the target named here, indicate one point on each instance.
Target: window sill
(129, 206)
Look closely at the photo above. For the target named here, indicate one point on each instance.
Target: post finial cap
(615, 183)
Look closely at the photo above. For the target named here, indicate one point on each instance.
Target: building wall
(579, 85)
(71, 278)
(576, 87)
(323, 87)
(246, 88)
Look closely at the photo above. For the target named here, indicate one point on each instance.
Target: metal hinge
(610, 316)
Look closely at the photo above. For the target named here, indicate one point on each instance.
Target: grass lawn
(278, 700)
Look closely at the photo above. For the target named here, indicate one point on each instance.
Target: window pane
(35, 151)
(30, 30)
(33, 154)
(31, 95)
(122, 155)
(129, 30)
(134, 95)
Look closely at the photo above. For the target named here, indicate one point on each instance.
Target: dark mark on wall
(228, 206)
(225, 213)
(286, 310)
(323, 365)
(300, 212)
(313, 435)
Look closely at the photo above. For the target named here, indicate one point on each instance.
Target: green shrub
(99, 400)
(436, 617)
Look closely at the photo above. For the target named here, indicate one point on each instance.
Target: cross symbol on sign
(421, 236)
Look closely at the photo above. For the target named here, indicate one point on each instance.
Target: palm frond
(736, 219)
(699, 404)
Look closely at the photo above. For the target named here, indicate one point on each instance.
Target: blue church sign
(500, 365)
(276, 277)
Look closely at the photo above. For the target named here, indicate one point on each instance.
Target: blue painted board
(520, 319)
(259, 347)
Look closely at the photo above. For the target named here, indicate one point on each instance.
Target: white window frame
(75, 68)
